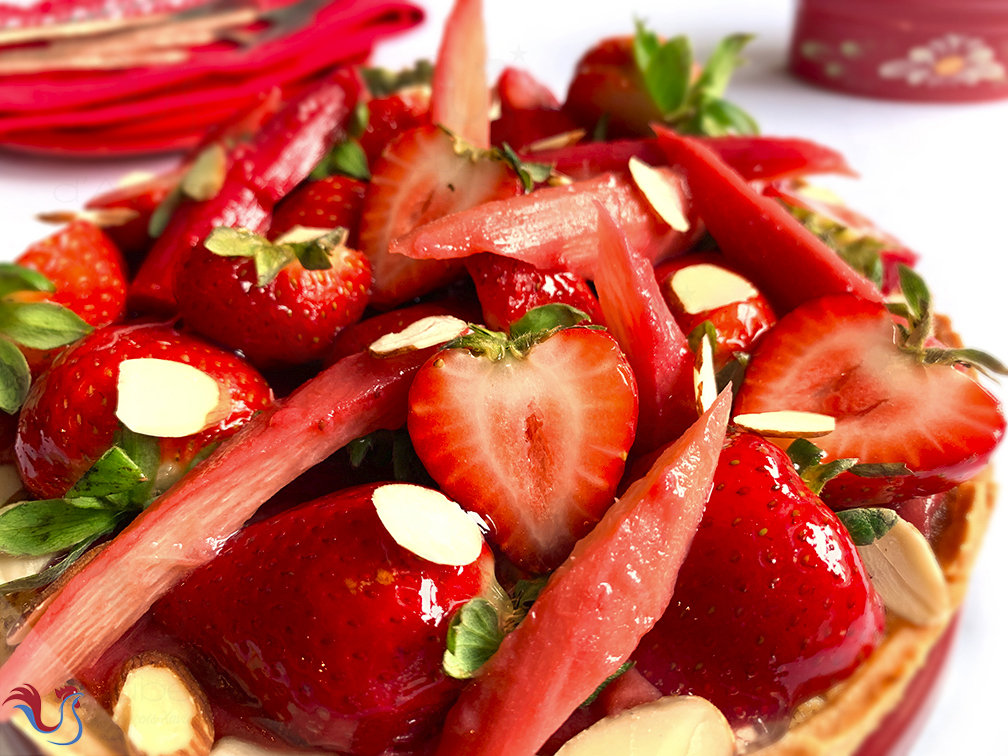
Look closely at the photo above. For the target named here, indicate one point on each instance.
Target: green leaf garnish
(36, 528)
(722, 63)
(50, 573)
(549, 317)
(866, 525)
(41, 325)
(529, 173)
(346, 159)
(19, 278)
(163, 213)
(382, 82)
(15, 377)
(624, 667)
(807, 459)
(113, 473)
(668, 73)
(269, 258)
(474, 635)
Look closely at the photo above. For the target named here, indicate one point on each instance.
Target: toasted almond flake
(905, 572)
(167, 399)
(428, 523)
(132, 178)
(663, 192)
(704, 379)
(670, 726)
(556, 142)
(423, 333)
(704, 287)
(786, 424)
(104, 217)
(302, 234)
(162, 709)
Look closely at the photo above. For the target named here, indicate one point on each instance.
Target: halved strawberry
(509, 288)
(532, 437)
(423, 175)
(328, 203)
(390, 116)
(839, 356)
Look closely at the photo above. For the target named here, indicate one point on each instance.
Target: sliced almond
(168, 399)
(232, 746)
(704, 378)
(555, 142)
(428, 523)
(423, 333)
(663, 191)
(670, 726)
(162, 709)
(132, 178)
(905, 572)
(704, 287)
(301, 235)
(786, 424)
(103, 217)
(206, 176)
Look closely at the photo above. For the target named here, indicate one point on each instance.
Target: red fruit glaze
(738, 324)
(86, 268)
(592, 613)
(551, 228)
(418, 179)
(332, 202)
(460, 97)
(68, 420)
(772, 604)
(390, 116)
(509, 288)
(649, 336)
(182, 529)
(333, 627)
(291, 320)
(534, 444)
(837, 356)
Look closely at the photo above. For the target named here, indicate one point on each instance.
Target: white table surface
(932, 175)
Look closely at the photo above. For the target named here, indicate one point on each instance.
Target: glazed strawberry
(236, 296)
(69, 418)
(700, 288)
(840, 356)
(528, 111)
(532, 436)
(328, 203)
(351, 624)
(390, 116)
(772, 604)
(86, 268)
(509, 288)
(424, 174)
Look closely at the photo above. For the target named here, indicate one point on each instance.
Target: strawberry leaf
(733, 373)
(868, 524)
(316, 254)
(163, 213)
(36, 528)
(113, 473)
(719, 117)
(546, 318)
(269, 258)
(667, 76)
(474, 635)
(19, 278)
(15, 377)
(880, 470)
(41, 325)
(807, 459)
(624, 667)
(381, 82)
(348, 159)
(50, 573)
(721, 64)
(529, 173)
(645, 45)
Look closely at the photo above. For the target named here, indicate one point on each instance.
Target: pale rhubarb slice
(184, 528)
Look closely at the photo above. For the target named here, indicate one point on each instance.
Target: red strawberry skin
(772, 604)
(529, 111)
(390, 116)
(86, 268)
(508, 288)
(536, 444)
(337, 630)
(68, 420)
(837, 356)
(292, 320)
(332, 202)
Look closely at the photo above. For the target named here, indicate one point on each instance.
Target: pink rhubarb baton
(783, 259)
(460, 98)
(184, 528)
(596, 606)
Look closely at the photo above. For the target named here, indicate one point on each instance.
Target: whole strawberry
(69, 418)
(327, 203)
(86, 268)
(772, 604)
(280, 303)
(335, 628)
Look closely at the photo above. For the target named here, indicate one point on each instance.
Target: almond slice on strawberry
(840, 356)
(424, 174)
(531, 433)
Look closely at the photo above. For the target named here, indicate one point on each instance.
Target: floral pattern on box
(952, 60)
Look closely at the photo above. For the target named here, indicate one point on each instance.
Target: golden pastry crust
(839, 721)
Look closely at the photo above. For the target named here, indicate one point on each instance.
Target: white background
(932, 175)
